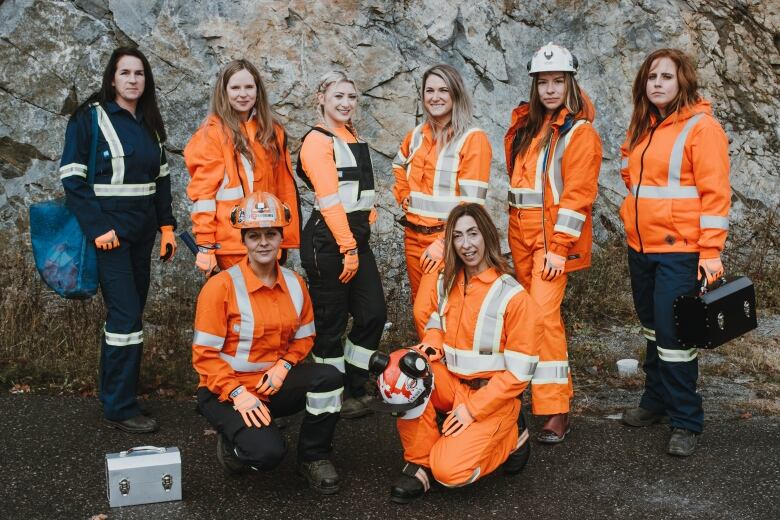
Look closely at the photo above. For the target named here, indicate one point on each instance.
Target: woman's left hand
(167, 243)
(372, 216)
(458, 419)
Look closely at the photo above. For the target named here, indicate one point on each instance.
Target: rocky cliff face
(53, 53)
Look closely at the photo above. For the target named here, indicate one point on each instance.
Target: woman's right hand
(107, 241)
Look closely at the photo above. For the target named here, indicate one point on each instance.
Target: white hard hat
(552, 58)
(404, 380)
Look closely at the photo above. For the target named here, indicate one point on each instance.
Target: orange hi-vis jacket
(220, 178)
(437, 181)
(488, 329)
(242, 327)
(678, 185)
(562, 178)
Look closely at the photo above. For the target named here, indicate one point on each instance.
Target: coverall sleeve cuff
(709, 252)
(559, 249)
(205, 238)
(434, 338)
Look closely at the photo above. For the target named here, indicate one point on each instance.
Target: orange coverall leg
(421, 283)
(526, 241)
(461, 460)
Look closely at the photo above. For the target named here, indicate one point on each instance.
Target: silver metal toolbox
(143, 475)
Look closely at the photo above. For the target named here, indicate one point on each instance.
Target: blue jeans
(671, 371)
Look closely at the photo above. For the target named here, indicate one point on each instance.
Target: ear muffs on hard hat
(404, 381)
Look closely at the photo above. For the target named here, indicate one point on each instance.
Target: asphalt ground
(52, 467)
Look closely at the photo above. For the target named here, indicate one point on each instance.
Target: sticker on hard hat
(265, 214)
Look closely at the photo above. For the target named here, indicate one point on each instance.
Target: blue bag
(65, 258)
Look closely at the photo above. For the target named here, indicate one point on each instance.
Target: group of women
(486, 330)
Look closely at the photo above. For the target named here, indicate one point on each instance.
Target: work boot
(517, 460)
(641, 417)
(354, 407)
(137, 424)
(555, 429)
(408, 487)
(682, 442)
(227, 457)
(321, 475)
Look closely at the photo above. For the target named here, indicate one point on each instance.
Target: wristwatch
(236, 392)
(286, 364)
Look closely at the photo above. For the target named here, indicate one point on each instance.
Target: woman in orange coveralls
(340, 266)
(442, 162)
(676, 216)
(485, 326)
(239, 149)
(553, 156)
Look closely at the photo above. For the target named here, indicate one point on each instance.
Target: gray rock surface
(52, 54)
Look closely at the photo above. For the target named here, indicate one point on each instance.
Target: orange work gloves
(458, 419)
(712, 267)
(167, 243)
(273, 378)
(433, 256)
(107, 241)
(372, 216)
(351, 264)
(553, 266)
(252, 409)
(428, 352)
(206, 261)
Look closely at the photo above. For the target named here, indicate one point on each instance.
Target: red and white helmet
(405, 382)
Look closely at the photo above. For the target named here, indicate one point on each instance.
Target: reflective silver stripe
(666, 192)
(677, 356)
(431, 206)
(123, 340)
(342, 155)
(305, 330)
(247, 325)
(520, 365)
(434, 322)
(328, 201)
(414, 144)
(676, 159)
(467, 362)
(163, 171)
(242, 365)
(203, 205)
(114, 144)
(447, 165)
(400, 160)
(624, 163)
(441, 301)
(324, 402)
(551, 372)
(524, 198)
(225, 193)
(474, 476)
(569, 222)
(356, 355)
(555, 173)
(204, 339)
(490, 321)
(649, 334)
(248, 170)
(124, 190)
(73, 169)
(713, 222)
(294, 288)
(364, 203)
(473, 191)
(337, 362)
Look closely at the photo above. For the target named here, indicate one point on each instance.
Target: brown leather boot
(555, 429)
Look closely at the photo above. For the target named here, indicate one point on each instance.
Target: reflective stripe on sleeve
(305, 330)
(124, 190)
(203, 205)
(204, 339)
(467, 362)
(520, 365)
(324, 402)
(123, 340)
(73, 169)
(473, 191)
(677, 356)
(337, 362)
(713, 222)
(328, 201)
(434, 322)
(356, 355)
(551, 372)
(569, 222)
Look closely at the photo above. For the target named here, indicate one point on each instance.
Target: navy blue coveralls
(132, 196)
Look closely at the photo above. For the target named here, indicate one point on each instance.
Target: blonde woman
(340, 266)
(240, 149)
(442, 162)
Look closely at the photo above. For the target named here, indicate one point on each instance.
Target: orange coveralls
(435, 182)
(550, 210)
(220, 178)
(490, 340)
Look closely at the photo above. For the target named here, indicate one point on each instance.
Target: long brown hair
(493, 257)
(220, 107)
(537, 112)
(462, 112)
(687, 96)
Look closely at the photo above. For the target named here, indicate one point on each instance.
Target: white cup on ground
(627, 367)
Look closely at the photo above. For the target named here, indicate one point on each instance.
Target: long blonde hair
(332, 78)
(220, 107)
(462, 112)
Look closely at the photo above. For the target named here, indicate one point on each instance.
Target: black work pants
(124, 282)
(334, 302)
(310, 386)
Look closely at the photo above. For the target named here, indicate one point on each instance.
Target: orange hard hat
(260, 210)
